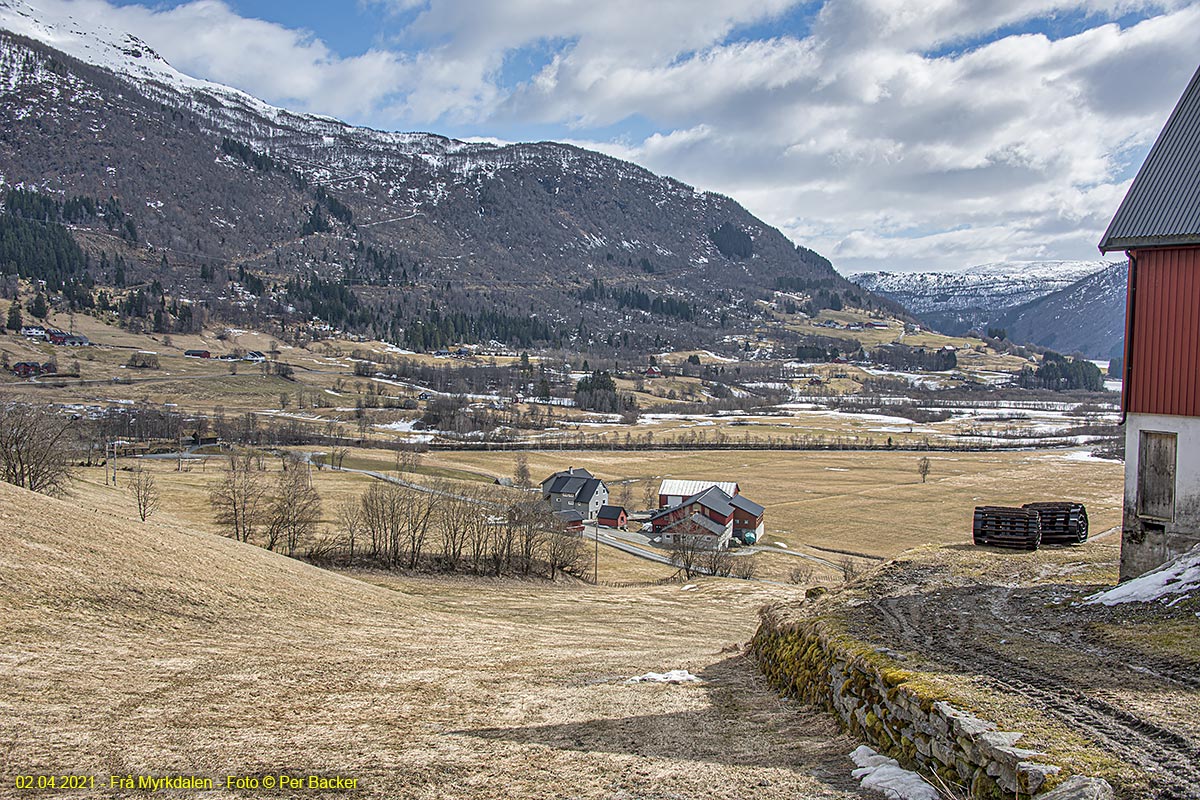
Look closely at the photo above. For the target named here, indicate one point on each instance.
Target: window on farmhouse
(1156, 475)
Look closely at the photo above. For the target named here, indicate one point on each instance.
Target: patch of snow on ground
(691, 587)
(674, 676)
(1180, 576)
(885, 775)
(1083, 455)
(781, 544)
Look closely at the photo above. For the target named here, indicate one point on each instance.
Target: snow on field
(922, 379)
(885, 775)
(781, 544)
(402, 426)
(1082, 455)
(673, 676)
(1176, 580)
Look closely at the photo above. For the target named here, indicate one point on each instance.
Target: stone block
(1078, 787)
(1031, 775)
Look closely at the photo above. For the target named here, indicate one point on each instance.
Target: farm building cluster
(708, 514)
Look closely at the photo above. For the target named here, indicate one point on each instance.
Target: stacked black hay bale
(1062, 523)
(1001, 526)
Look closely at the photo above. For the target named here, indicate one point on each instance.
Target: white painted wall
(1147, 544)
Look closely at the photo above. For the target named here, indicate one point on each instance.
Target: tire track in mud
(1171, 760)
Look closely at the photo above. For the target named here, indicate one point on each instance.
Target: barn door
(1156, 475)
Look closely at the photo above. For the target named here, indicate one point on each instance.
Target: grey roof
(569, 516)
(570, 473)
(588, 490)
(580, 488)
(611, 512)
(711, 498)
(710, 525)
(1162, 207)
(749, 506)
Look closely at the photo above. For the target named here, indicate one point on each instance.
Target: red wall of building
(1162, 342)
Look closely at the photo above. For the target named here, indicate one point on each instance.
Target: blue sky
(886, 134)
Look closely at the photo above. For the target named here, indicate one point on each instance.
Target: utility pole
(596, 558)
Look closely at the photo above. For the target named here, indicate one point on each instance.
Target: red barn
(571, 521)
(612, 517)
(707, 516)
(1158, 227)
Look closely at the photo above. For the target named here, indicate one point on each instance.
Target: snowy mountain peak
(81, 31)
(78, 31)
(1068, 271)
(986, 286)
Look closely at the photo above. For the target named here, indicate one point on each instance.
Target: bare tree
(744, 567)
(240, 498)
(802, 575)
(294, 511)
(923, 466)
(849, 569)
(420, 511)
(565, 552)
(531, 521)
(625, 494)
(650, 495)
(145, 493)
(350, 520)
(687, 548)
(718, 561)
(408, 460)
(456, 517)
(521, 477)
(34, 447)
(382, 510)
(478, 539)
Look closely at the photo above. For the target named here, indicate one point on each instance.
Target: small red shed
(612, 517)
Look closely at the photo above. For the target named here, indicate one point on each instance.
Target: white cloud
(886, 134)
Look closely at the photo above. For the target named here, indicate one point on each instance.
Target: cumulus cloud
(883, 133)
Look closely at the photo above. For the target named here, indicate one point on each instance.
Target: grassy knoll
(156, 649)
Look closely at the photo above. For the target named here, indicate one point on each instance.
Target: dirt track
(1016, 627)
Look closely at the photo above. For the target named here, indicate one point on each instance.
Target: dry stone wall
(878, 703)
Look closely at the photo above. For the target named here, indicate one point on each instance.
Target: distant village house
(575, 490)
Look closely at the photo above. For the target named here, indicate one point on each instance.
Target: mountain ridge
(424, 219)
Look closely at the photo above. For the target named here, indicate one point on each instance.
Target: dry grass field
(872, 503)
(822, 507)
(155, 649)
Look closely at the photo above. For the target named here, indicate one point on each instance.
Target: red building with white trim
(1158, 227)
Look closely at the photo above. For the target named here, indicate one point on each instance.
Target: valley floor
(143, 649)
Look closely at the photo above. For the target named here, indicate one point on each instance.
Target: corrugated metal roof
(688, 488)
(1162, 207)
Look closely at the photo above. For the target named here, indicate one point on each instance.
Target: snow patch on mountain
(994, 286)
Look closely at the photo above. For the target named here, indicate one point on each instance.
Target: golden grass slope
(147, 649)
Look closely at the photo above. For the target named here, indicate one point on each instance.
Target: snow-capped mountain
(1087, 317)
(1067, 305)
(987, 286)
(206, 175)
